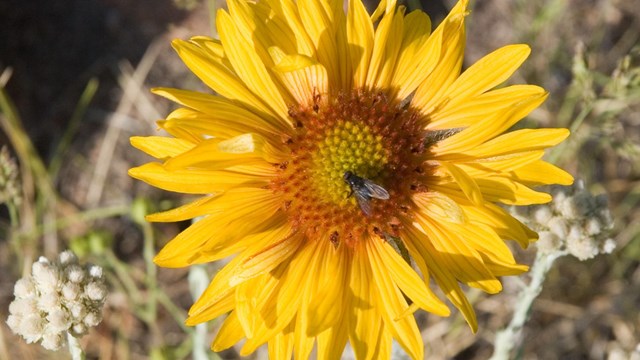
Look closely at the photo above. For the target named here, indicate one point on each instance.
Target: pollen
(365, 133)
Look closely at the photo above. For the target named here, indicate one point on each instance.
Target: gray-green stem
(509, 337)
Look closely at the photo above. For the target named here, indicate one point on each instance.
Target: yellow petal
(520, 141)
(223, 303)
(257, 24)
(199, 207)
(430, 93)
(385, 50)
(246, 306)
(302, 75)
(265, 259)
(161, 147)
(287, 11)
(332, 341)
(367, 332)
(326, 307)
(465, 263)
(469, 139)
(281, 346)
(497, 164)
(221, 79)
(222, 113)
(360, 39)
(253, 205)
(542, 173)
(192, 181)
(467, 183)
(507, 191)
(214, 154)
(420, 247)
(406, 278)
(249, 66)
(438, 205)
(317, 20)
(303, 341)
(219, 286)
(486, 241)
(488, 72)
(279, 309)
(234, 199)
(390, 302)
(473, 110)
(237, 240)
(505, 225)
(505, 269)
(384, 7)
(418, 55)
(230, 333)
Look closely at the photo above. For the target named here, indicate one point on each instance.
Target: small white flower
(92, 319)
(23, 288)
(95, 272)
(14, 321)
(559, 227)
(48, 301)
(75, 273)
(576, 222)
(548, 242)
(593, 226)
(58, 320)
(67, 257)
(70, 291)
(23, 306)
(542, 214)
(31, 327)
(52, 340)
(58, 297)
(609, 246)
(78, 329)
(96, 291)
(77, 309)
(45, 276)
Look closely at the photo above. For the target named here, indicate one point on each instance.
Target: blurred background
(75, 78)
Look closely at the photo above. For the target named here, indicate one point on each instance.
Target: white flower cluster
(58, 297)
(575, 221)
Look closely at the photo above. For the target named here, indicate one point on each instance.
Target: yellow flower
(340, 150)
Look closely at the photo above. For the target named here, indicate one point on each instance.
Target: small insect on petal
(364, 190)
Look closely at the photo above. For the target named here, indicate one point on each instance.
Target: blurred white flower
(576, 221)
(57, 297)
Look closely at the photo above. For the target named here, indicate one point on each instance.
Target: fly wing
(364, 202)
(375, 191)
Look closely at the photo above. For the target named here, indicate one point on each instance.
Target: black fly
(364, 190)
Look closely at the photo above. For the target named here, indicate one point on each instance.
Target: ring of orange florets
(363, 132)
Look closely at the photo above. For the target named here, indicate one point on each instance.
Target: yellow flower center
(369, 136)
(346, 147)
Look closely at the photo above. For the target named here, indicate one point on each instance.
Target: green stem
(151, 280)
(509, 337)
(124, 275)
(72, 127)
(80, 217)
(74, 348)
(554, 155)
(198, 281)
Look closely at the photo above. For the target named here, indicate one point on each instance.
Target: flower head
(57, 297)
(576, 222)
(340, 150)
